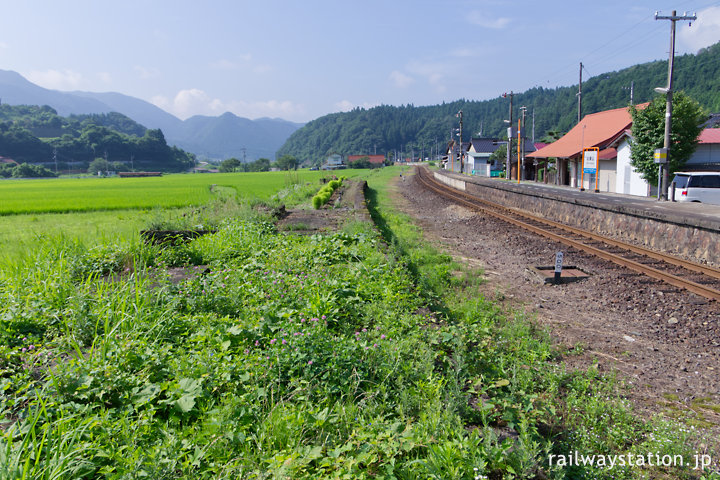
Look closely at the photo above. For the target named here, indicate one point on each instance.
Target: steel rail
(664, 257)
(473, 202)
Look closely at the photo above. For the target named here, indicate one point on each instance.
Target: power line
(623, 47)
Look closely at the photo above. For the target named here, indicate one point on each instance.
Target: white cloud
(261, 69)
(243, 63)
(433, 72)
(105, 77)
(400, 79)
(57, 79)
(474, 52)
(146, 73)
(347, 105)
(4, 46)
(462, 53)
(224, 64)
(487, 21)
(704, 31)
(194, 101)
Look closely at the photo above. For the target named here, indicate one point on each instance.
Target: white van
(697, 187)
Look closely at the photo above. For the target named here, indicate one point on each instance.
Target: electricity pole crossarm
(663, 183)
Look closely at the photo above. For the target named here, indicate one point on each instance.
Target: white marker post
(558, 267)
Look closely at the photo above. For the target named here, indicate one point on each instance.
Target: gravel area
(663, 341)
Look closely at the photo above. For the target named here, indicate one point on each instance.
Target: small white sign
(558, 262)
(590, 161)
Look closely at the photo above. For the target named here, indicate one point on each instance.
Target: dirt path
(664, 342)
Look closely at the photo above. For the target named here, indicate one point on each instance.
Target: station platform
(701, 215)
(691, 230)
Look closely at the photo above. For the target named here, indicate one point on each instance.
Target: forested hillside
(387, 128)
(32, 134)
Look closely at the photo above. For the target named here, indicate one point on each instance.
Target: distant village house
(334, 161)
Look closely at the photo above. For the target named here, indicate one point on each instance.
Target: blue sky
(301, 59)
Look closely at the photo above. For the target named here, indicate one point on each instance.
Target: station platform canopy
(595, 130)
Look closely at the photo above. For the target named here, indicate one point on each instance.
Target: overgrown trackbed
(346, 204)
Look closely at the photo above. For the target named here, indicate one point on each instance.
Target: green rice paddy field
(99, 210)
(93, 194)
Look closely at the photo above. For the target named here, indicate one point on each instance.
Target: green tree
(648, 131)
(551, 136)
(259, 165)
(287, 162)
(362, 162)
(229, 165)
(98, 165)
(499, 155)
(25, 170)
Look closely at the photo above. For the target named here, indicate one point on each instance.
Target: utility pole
(462, 164)
(518, 163)
(579, 95)
(508, 169)
(533, 129)
(632, 91)
(55, 159)
(521, 138)
(663, 185)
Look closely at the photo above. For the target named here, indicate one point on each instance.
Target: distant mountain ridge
(414, 130)
(219, 137)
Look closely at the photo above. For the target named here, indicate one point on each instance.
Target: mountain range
(208, 137)
(410, 130)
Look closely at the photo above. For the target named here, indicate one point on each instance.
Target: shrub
(325, 193)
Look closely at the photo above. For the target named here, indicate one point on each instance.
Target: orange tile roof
(595, 130)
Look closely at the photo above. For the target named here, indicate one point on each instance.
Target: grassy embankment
(343, 356)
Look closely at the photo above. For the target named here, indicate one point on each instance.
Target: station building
(609, 131)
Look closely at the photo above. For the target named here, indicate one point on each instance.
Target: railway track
(700, 279)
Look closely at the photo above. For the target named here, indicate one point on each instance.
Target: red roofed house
(604, 130)
(707, 155)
